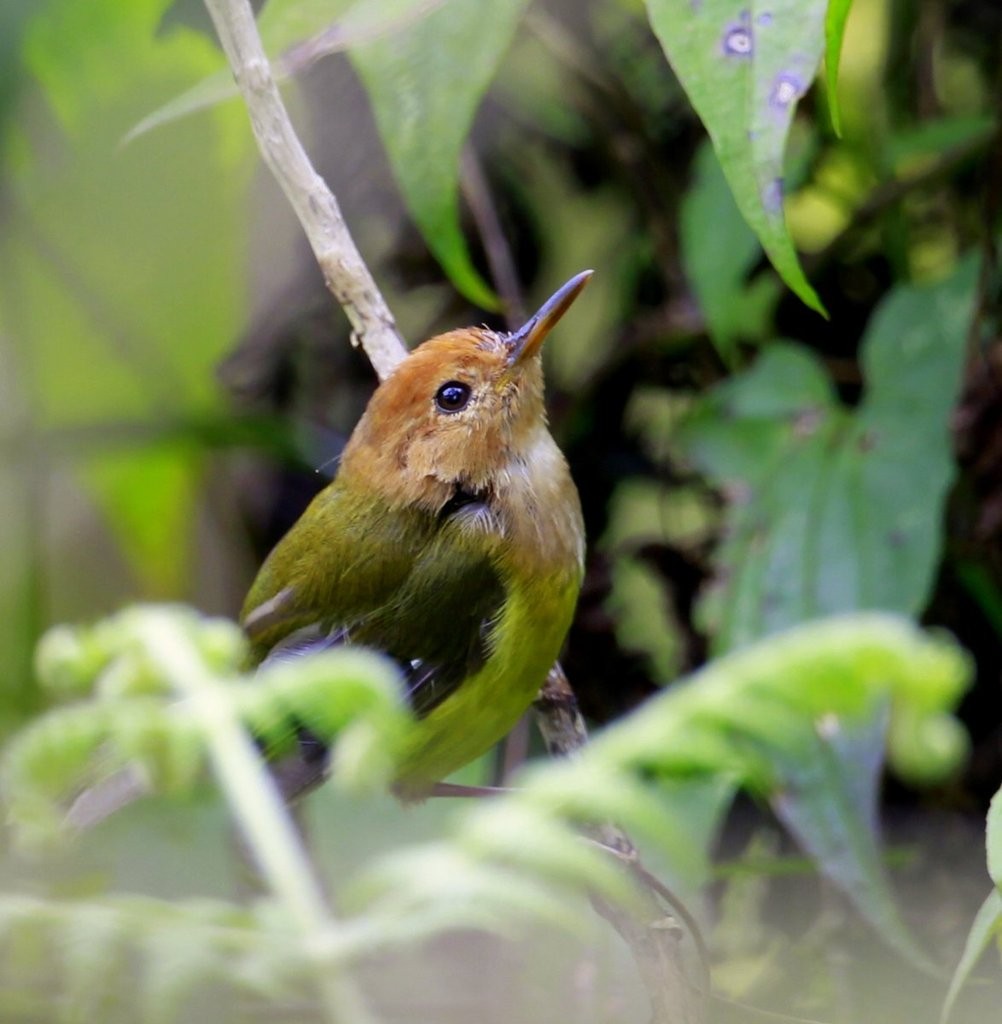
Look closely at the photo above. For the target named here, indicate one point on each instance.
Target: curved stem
(260, 812)
(344, 270)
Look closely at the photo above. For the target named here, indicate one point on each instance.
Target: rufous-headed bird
(451, 540)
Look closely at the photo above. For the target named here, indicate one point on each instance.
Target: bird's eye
(452, 396)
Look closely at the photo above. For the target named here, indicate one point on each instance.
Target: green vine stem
(260, 813)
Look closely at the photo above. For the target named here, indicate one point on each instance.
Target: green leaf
(121, 279)
(987, 925)
(718, 251)
(828, 801)
(830, 509)
(811, 705)
(744, 65)
(993, 839)
(149, 499)
(800, 717)
(920, 145)
(835, 19)
(295, 33)
(425, 85)
(92, 945)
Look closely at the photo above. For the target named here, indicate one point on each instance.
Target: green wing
(343, 559)
(438, 624)
(418, 587)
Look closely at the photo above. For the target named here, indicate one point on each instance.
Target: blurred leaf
(93, 944)
(828, 801)
(835, 19)
(744, 67)
(929, 140)
(120, 279)
(639, 606)
(14, 15)
(831, 510)
(926, 748)
(744, 707)
(425, 85)
(295, 33)
(132, 714)
(177, 959)
(149, 497)
(800, 718)
(987, 926)
(718, 251)
(993, 839)
(685, 833)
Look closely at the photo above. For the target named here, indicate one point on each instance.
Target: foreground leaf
(744, 66)
(828, 801)
(987, 926)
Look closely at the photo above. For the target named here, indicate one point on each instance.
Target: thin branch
(499, 256)
(344, 270)
(653, 933)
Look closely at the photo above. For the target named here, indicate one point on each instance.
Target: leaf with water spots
(744, 65)
(832, 509)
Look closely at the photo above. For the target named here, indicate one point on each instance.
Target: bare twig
(496, 248)
(342, 265)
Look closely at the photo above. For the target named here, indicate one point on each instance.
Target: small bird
(451, 540)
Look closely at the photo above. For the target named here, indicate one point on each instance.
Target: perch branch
(655, 931)
(344, 270)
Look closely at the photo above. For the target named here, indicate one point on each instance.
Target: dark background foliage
(176, 383)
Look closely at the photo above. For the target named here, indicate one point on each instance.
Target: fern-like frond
(129, 711)
(166, 697)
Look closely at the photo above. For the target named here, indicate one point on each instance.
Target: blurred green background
(175, 382)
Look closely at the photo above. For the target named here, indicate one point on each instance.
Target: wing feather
(421, 588)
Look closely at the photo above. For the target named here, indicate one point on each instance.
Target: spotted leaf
(832, 509)
(744, 65)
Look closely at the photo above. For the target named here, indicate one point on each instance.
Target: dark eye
(452, 396)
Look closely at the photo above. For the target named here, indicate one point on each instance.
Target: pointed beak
(524, 343)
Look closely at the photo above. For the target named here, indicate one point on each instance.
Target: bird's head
(458, 411)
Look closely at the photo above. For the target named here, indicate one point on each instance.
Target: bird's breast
(538, 506)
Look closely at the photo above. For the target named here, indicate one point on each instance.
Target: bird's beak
(524, 343)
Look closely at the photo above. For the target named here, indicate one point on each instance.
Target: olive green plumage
(450, 540)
